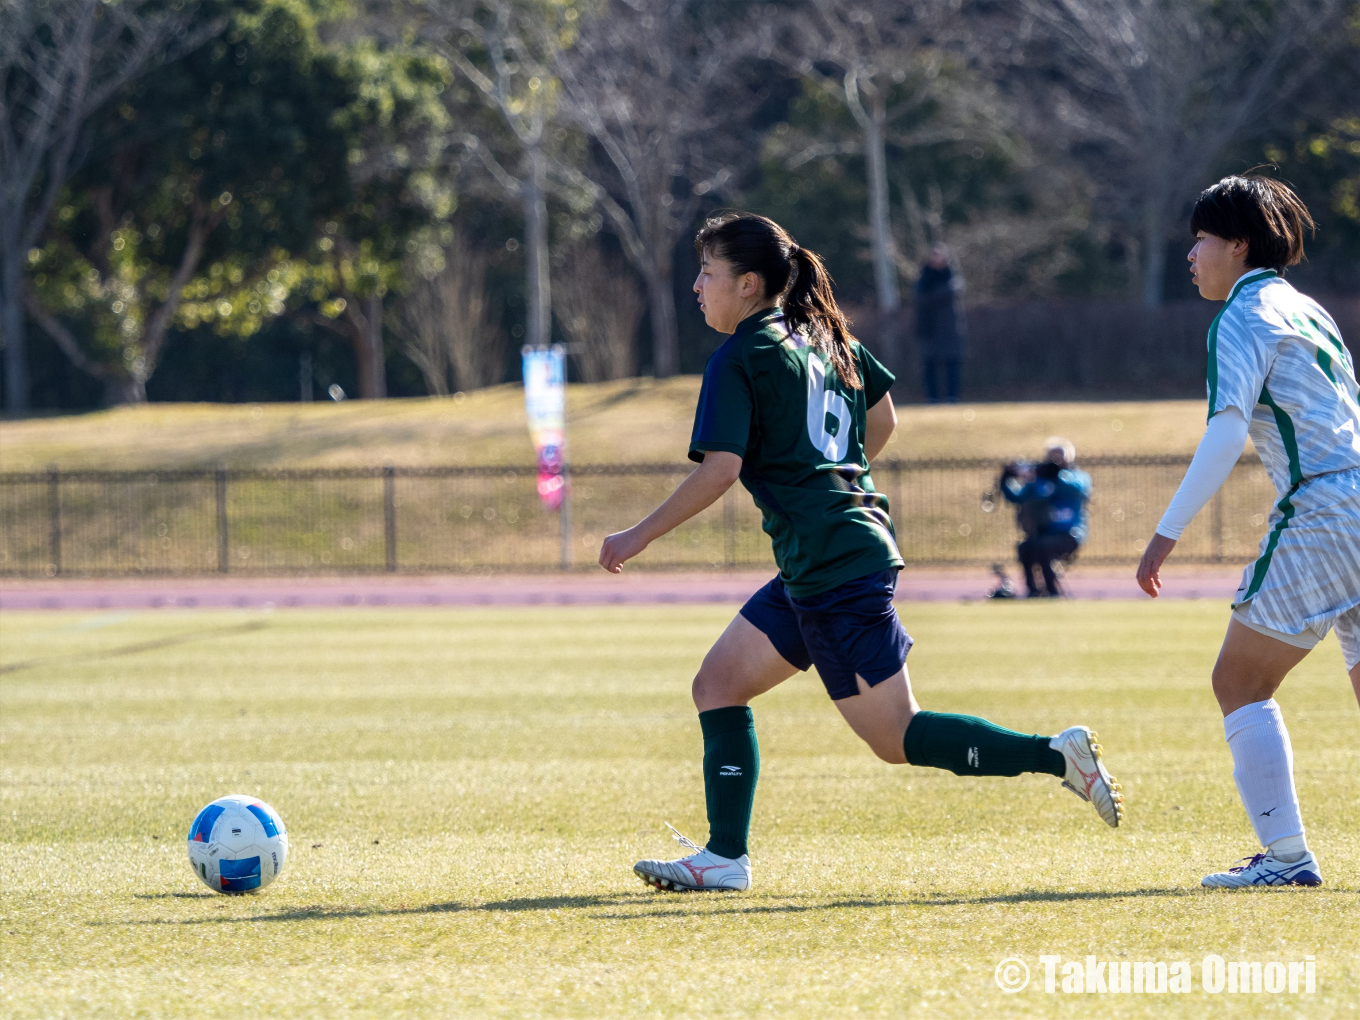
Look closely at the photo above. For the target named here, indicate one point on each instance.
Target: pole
(1218, 526)
(305, 377)
(223, 540)
(564, 521)
(564, 518)
(730, 526)
(390, 515)
(54, 518)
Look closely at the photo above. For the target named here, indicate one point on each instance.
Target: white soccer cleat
(1263, 870)
(1087, 776)
(701, 871)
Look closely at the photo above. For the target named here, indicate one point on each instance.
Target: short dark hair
(1260, 210)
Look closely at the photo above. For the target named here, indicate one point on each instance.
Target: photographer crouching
(1050, 500)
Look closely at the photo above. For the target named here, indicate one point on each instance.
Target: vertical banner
(545, 401)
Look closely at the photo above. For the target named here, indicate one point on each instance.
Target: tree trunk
(120, 390)
(661, 303)
(13, 332)
(538, 284)
(366, 333)
(1154, 251)
(880, 228)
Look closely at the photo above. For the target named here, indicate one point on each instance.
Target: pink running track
(631, 587)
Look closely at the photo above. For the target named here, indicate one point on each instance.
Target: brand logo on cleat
(1266, 814)
(698, 873)
(1089, 778)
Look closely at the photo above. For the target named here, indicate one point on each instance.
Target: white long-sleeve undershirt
(1214, 459)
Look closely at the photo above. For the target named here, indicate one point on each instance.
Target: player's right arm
(704, 487)
(722, 425)
(1239, 361)
(1217, 454)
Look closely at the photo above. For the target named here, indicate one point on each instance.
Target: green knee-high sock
(731, 767)
(969, 746)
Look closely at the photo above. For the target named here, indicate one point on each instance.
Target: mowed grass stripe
(466, 791)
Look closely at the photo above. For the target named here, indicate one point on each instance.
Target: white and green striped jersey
(1278, 356)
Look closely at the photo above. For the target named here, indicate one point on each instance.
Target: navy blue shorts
(850, 629)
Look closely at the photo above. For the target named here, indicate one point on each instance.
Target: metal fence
(481, 519)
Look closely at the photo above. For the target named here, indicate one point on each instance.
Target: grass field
(622, 422)
(467, 790)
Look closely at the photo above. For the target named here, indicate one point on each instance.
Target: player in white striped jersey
(1279, 372)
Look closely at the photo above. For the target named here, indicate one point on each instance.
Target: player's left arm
(704, 487)
(879, 423)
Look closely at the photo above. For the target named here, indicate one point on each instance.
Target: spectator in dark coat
(939, 326)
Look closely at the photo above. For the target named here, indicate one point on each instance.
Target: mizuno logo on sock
(730, 770)
(973, 757)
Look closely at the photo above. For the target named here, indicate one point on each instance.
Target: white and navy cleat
(1264, 870)
(701, 871)
(1087, 776)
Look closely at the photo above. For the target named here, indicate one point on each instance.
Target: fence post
(564, 516)
(390, 515)
(54, 516)
(223, 539)
(1218, 526)
(730, 526)
(895, 504)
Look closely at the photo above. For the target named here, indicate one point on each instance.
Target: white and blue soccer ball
(237, 844)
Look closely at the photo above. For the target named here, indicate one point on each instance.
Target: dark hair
(755, 244)
(1260, 210)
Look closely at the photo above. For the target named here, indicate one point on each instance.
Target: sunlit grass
(466, 792)
(620, 422)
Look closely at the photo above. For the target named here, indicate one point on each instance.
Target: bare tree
(651, 84)
(599, 307)
(447, 327)
(1150, 92)
(505, 49)
(883, 61)
(60, 61)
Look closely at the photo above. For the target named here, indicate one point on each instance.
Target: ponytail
(757, 244)
(810, 308)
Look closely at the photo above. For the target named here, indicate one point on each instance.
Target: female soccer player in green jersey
(796, 408)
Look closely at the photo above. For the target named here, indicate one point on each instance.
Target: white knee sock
(1263, 766)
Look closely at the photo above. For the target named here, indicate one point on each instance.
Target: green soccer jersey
(768, 397)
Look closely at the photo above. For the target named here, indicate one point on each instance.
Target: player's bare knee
(708, 685)
(1226, 684)
(1235, 684)
(888, 750)
(702, 688)
(1220, 680)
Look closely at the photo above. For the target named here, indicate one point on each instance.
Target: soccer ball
(237, 844)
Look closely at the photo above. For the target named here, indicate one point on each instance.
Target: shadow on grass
(173, 896)
(1053, 896)
(744, 906)
(332, 913)
(684, 906)
(140, 646)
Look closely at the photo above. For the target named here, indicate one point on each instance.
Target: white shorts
(1347, 627)
(1306, 579)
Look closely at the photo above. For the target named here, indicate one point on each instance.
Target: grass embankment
(622, 422)
(466, 792)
